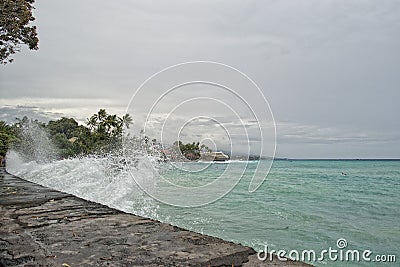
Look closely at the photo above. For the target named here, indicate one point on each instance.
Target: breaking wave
(107, 179)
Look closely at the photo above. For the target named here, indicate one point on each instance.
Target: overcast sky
(330, 70)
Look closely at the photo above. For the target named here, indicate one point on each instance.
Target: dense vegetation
(103, 132)
(101, 135)
(7, 136)
(191, 151)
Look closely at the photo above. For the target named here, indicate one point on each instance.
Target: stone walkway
(43, 227)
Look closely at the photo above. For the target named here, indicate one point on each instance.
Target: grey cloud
(9, 114)
(312, 134)
(328, 67)
(45, 109)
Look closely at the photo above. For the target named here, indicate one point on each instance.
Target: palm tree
(111, 124)
(102, 114)
(97, 121)
(4, 127)
(126, 120)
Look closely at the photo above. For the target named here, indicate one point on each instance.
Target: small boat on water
(214, 156)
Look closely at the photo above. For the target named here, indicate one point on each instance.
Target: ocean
(303, 206)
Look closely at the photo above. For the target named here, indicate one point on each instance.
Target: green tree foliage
(106, 129)
(126, 121)
(83, 141)
(66, 126)
(70, 138)
(190, 151)
(108, 125)
(15, 29)
(103, 134)
(7, 136)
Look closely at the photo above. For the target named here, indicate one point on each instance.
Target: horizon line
(355, 159)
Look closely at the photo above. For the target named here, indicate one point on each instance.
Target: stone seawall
(43, 227)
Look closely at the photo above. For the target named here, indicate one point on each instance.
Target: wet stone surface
(43, 227)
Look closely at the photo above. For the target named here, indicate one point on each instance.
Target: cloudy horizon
(329, 70)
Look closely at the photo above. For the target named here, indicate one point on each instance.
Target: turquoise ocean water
(305, 205)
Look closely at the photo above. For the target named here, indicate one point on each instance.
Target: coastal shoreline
(45, 227)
